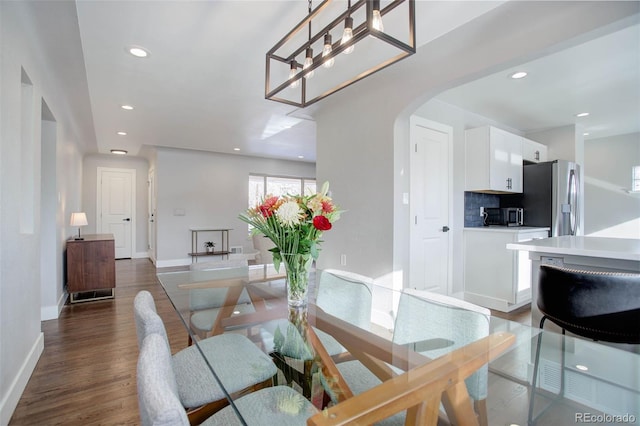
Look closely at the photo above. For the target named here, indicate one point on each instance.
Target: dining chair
(205, 303)
(343, 294)
(597, 305)
(433, 325)
(416, 394)
(239, 364)
(160, 405)
(263, 244)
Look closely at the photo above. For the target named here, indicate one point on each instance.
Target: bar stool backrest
(598, 305)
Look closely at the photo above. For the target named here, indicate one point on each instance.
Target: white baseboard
(493, 303)
(53, 312)
(172, 262)
(141, 255)
(19, 383)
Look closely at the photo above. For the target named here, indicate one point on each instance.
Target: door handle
(127, 219)
(445, 229)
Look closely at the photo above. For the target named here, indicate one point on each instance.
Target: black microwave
(510, 216)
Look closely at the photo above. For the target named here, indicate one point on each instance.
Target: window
(635, 181)
(260, 186)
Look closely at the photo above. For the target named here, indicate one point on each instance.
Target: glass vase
(297, 268)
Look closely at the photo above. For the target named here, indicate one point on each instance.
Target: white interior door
(152, 216)
(429, 206)
(116, 195)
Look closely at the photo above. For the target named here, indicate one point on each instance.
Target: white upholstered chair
(240, 365)
(263, 244)
(433, 325)
(205, 303)
(160, 405)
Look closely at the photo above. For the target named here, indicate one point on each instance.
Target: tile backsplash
(472, 203)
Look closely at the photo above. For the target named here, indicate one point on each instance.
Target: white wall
(610, 211)
(563, 143)
(211, 189)
(368, 123)
(21, 289)
(90, 191)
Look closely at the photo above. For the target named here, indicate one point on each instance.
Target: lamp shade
(79, 219)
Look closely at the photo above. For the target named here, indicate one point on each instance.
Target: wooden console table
(91, 267)
(224, 246)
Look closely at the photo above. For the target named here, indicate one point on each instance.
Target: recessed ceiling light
(518, 75)
(122, 133)
(300, 156)
(585, 134)
(236, 149)
(119, 151)
(138, 52)
(582, 114)
(582, 367)
(127, 107)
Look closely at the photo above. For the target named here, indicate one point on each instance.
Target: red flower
(327, 207)
(267, 206)
(321, 223)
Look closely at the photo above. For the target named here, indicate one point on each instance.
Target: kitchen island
(590, 253)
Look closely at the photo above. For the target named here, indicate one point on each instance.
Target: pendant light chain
(309, 22)
(308, 60)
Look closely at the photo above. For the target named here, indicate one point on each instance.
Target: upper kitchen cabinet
(533, 151)
(493, 160)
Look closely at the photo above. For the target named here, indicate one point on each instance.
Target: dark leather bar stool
(602, 306)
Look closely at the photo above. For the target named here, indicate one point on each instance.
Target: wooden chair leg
(481, 409)
(425, 414)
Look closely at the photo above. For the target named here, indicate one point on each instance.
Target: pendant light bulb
(292, 73)
(347, 34)
(377, 17)
(326, 50)
(308, 61)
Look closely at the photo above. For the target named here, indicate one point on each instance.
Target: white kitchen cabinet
(495, 277)
(493, 160)
(533, 151)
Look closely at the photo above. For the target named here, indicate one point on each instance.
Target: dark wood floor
(87, 373)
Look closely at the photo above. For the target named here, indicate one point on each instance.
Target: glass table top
(353, 336)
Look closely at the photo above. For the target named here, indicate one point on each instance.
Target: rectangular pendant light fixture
(350, 44)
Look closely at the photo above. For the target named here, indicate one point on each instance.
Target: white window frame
(252, 203)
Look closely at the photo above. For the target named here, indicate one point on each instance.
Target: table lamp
(79, 219)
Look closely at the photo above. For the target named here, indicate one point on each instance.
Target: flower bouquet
(295, 224)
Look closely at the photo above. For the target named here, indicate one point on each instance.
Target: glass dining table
(334, 361)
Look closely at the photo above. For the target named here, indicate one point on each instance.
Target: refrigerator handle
(573, 201)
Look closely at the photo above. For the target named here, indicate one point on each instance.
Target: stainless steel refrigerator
(551, 196)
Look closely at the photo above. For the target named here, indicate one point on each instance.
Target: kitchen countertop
(498, 228)
(608, 248)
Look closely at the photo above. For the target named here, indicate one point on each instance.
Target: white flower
(289, 213)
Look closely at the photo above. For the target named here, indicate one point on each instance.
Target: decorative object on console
(209, 246)
(78, 219)
(295, 224)
(378, 47)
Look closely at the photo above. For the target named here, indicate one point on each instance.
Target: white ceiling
(601, 77)
(203, 85)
